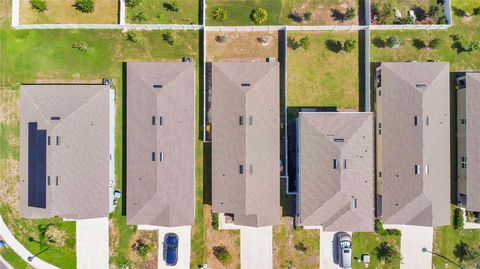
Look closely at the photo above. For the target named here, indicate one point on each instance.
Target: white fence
(112, 26)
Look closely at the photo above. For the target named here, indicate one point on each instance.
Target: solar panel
(37, 160)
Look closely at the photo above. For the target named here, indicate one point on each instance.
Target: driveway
(92, 243)
(256, 247)
(414, 238)
(328, 258)
(184, 238)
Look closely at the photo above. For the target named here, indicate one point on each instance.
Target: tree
(419, 44)
(435, 12)
(307, 16)
(174, 6)
(458, 220)
(393, 42)
(133, 3)
(139, 17)
(466, 253)
(43, 239)
(304, 42)
(141, 248)
(220, 14)
(170, 37)
(379, 226)
(292, 43)
(85, 6)
(222, 254)
(334, 45)
(435, 43)
(349, 45)
(38, 5)
(387, 253)
(476, 11)
(132, 37)
(350, 14)
(258, 15)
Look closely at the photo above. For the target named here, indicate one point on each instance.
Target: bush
(215, 221)
(350, 14)
(133, 3)
(307, 16)
(221, 38)
(172, 6)
(435, 43)
(258, 15)
(132, 37)
(387, 253)
(466, 253)
(38, 5)
(334, 45)
(419, 44)
(476, 11)
(349, 45)
(222, 254)
(170, 37)
(379, 226)
(292, 43)
(220, 14)
(458, 220)
(384, 14)
(300, 247)
(82, 46)
(392, 232)
(296, 17)
(139, 17)
(435, 12)
(85, 6)
(393, 42)
(304, 42)
(141, 248)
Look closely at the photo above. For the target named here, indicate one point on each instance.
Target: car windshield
(345, 244)
(171, 246)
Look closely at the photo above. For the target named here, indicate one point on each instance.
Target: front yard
(160, 12)
(365, 243)
(322, 75)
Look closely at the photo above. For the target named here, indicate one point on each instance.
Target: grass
(279, 10)
(156, 13)
(13, 259)
(445, 52)
(285, 238)
(365, 243)
(63, 11)
(320, 77)
(404, 6)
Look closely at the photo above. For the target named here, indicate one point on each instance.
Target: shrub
(458, 220)
(170, 37)
(304, 42)
(300, 247)
(387, 253)
(215, 221)
(220, 14)
(466, 253)
(384, 14)
(435, 12)
(82, 46)
(141, 248)
(296, 17)
(85, 6)
(350, 14)
(174, 6)
(139, 17)
(435, 43)
(222, 254)
(379, 226)
(307, 16)
(393, 42)
(221, 38)
(132, 37)
(349, 45)
(419, 44)
(334, 45)
(292, 43)
(38, 5)
(476, 11)
(258, 15)
(133, 3)
(392, 232)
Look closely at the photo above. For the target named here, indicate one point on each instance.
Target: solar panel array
(37, 161)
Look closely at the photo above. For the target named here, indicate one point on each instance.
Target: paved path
(20, 249)
(4, 264)
(414, 238)
(92, 243)
(184, 239)
(256, 247)
(328, 258)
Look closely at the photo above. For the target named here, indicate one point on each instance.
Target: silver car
(344, 250)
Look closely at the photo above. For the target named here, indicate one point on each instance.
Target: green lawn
(279, 10)
(285, 238)
(420, 8)
(365, 243)
(155, 12)
(445, 52)
(320, 77)
(13, 259)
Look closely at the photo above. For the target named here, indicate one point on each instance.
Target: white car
(344, 250)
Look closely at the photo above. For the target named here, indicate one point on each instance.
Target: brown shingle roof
(473, 140)
(339, 199)
(254, 195)
(82, 157)
(160, 192)
(410, 90)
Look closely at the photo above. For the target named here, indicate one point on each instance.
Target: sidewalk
(256, 247)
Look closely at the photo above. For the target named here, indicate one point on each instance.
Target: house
(468, 141)
(66, 150)
(413, 143)
(335, 170)
(245, 120)
(160, 139)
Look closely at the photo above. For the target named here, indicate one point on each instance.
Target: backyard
(365, 243)
(285, 12)
(331, 77)
(386, 11)
(161, 12)
(106, 12)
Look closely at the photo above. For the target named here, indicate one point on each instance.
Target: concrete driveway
(184, 239)
(328, 257)
(414, 238)
(92, 243)
(256, 247)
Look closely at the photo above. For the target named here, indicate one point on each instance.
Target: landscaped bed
(64, 12)
(162, 12)
(398, 11)
(324, 74)
(285, 12)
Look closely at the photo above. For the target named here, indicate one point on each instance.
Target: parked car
(344, 250)
(170, 249)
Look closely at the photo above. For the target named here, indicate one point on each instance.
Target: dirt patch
(241, 46)
(327, 13)
(8, 105)
(228, 238)
(151, 260)
(9, 187)
(58, 236)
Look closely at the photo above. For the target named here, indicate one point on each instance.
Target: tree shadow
(420, 13)
(419, 44)
(207, 173)
(337, 15)
(333, 45)
(379, 42)
(296, 17)
(459, 12)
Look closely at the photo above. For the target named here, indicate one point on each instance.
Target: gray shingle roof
(82, 158)
(339, 199)
(160, 193)
(254, 195)
(473, 140)
(409, 90)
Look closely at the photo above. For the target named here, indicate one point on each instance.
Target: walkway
(414, 238)
(92, 243)
(20, 249)
(4, 264)
(256, 247)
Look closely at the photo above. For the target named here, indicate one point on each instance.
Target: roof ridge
(36, 107)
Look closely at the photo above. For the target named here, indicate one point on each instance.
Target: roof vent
(339, 140)
(246, 84)
(421, 85)
(157, 86)
(55, 118)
